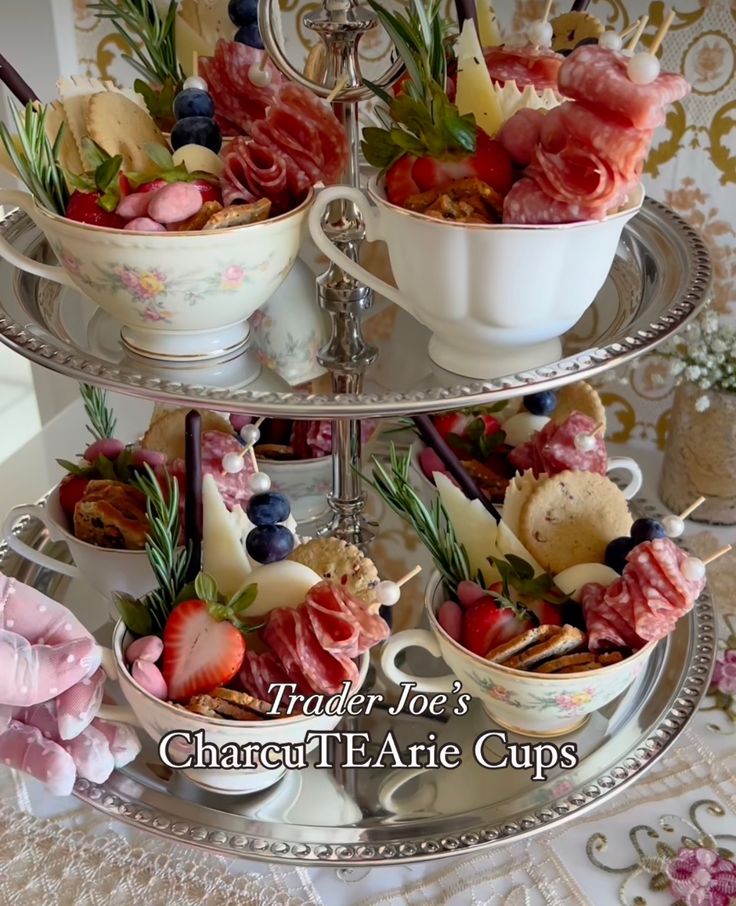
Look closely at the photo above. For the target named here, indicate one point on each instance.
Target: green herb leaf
(187, 593)
(160, 156)
(76, 469)
(94, 155)
(107, 173)
(160, 102)
(206, 588)
(102, 421)
(134, 614)
(106, 468)
(243, 598)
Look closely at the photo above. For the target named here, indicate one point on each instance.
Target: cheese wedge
(223, 553)
(475, 92)
(572, 579)
(475, 528)
(282, 584)
(488, 30)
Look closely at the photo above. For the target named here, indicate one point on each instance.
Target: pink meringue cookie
(150, 678)
(147, 648)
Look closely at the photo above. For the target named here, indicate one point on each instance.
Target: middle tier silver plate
(659, 279)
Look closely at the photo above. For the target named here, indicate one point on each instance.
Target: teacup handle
(25, 202)
(414, 638)
(371, 217)
(25, 550)
(632, 467)
(119, 714)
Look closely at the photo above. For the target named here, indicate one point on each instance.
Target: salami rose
(553, 449)
(536, 66)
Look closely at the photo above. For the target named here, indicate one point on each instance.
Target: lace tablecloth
(668, 839)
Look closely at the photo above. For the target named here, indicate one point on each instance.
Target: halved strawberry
(84, 208)
(451, 423)
(400, 183)
(209, 191)
(153, 186)
(490, 163)
(200, 652)
(429, 462)
(71, 491)
(489, 623)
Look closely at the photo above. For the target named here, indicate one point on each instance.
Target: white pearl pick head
(232, 463)
(611, 40)
(387, 593)
(674, 526)
(540, 34)
(195, 82)
(585, 443)
(259, 77)
(250, 435)
(643, 68)
(693, 569)
(259, 482)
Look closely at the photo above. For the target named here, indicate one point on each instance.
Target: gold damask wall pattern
(692, 167)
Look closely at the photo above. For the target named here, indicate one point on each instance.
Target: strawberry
(490, 163)
(400, 183)
(71, 491)
(200, 652)
(429, 462)
(451, 423)
(84, 208)
(153, 186)
(492, 425)
(489, 623)
(547, 613)
(209, 191)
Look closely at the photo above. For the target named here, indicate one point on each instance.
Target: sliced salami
(527, 203)
(536, 66)
(325, 672)
(253, 171)
(336, 631)
(521, 133)
(554, 448)
(598, 78)
(280, 634)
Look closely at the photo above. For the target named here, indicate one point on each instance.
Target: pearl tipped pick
(717, 554)
(388, 593)
(674, 526)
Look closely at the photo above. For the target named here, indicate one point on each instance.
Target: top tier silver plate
(659, 280)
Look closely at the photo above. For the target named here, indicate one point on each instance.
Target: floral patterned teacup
(531, 704)
(177, 295)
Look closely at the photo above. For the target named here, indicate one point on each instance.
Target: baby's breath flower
(702, 403)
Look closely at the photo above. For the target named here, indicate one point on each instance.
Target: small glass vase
(700, 456)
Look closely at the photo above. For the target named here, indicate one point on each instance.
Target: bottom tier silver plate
(384, 816)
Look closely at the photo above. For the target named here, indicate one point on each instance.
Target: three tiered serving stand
(344, 818)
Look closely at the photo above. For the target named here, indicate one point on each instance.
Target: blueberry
(193, 102)
(197, 130)
(268, 508)
(243, 12)
(542, 403)
(249, 34)
(647, 530)
(617, 551)
(269, 543)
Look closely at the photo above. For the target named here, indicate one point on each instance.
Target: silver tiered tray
(372, 817)
(659, 280)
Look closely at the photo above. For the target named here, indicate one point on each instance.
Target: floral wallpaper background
(692, 166)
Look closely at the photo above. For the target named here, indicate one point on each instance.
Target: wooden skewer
(410, 575)
(636, 37)
(547, 11)
(263, 62)
(663, 29)
(629, 29)
(720, 553)
(691, 509)
(599, 427)
(339, 85)
(195, 63)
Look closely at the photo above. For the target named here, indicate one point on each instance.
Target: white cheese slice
(572, 579)
(475, 92)
(282, 584)
(223, 554)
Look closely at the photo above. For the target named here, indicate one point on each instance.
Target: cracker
(239, 215)
(566, 641)
(341, 563)
(166, 434)
(580, 668)
(558, 664)
(518, 491)
(571, 517)
(198, 707)
(579, 397)
(69, 156)
(243, 699)
(197, 221)
(222, 708)
(120, 126)
(610, 657)
(501, 653)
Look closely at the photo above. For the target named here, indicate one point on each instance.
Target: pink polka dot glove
(51, 687)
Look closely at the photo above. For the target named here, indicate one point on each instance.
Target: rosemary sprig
(151, 37)
(168, 561)
(37, 159)
(431, 524)
(101, 418)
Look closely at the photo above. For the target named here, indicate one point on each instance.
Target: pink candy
(144, 225)
(107, 447)
(147, 648)
(150, 678)
(450, 618)
(175, 202)
(135, 205)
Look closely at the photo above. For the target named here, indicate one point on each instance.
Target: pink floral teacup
(177, 295)
(530, 704)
